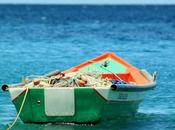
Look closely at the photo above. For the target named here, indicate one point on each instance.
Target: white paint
(15, 92)
(59, 101)
(111, 95)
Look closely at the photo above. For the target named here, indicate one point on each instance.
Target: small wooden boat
(84, 103)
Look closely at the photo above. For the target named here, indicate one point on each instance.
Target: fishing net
(76, 79)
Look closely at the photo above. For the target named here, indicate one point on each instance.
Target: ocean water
(36, 39)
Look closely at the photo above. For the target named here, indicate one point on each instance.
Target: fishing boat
(104, 87)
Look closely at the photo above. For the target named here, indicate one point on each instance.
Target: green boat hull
(90, 105)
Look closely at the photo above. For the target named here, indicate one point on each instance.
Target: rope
(112, 73)
(93, 78)
(22, 104)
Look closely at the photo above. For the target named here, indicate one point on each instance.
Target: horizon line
(35, 3)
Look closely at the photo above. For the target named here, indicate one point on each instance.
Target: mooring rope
(22, 104)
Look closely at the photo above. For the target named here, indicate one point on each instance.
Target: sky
(88, 1)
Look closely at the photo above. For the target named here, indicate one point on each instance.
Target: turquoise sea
(36, 39)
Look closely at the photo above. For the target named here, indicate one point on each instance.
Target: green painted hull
(86, 110)
(90, 107)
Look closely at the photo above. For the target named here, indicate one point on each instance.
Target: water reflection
(131, 123)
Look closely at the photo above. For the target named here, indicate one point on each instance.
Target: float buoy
(4, 87)
(114, 87)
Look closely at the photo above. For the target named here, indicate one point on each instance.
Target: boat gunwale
(119, 87)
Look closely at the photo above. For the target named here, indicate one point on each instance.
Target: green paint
(113, 66)
(26, 111)
(88, 107)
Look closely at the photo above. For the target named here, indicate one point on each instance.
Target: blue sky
(91, 1)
